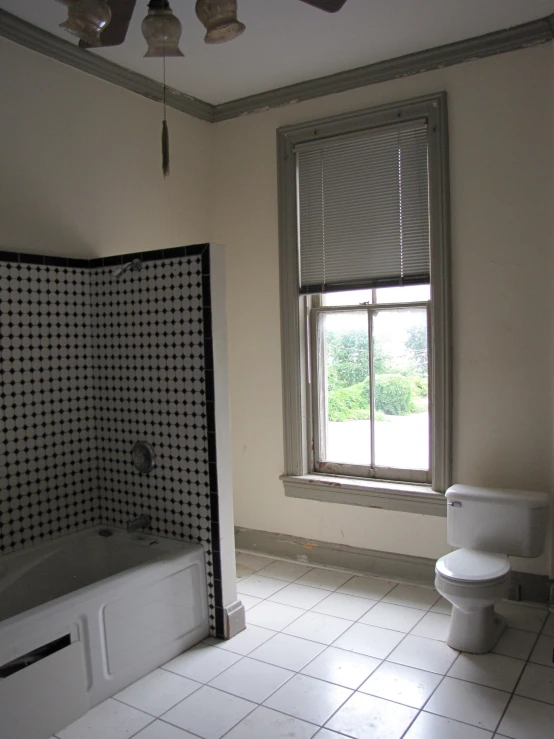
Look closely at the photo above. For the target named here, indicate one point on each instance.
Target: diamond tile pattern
(92, 363)
(48, 477)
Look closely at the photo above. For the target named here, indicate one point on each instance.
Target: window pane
(401, 388)
(405, 294)
(344, 400)
(349, 297)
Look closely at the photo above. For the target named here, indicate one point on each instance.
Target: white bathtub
(98, 613)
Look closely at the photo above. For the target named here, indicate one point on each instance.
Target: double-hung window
(365, 307)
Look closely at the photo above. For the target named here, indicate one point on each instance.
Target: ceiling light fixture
(86, 19)
(161, 30)
(219, 18)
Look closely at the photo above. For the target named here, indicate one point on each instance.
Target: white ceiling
(287, 41)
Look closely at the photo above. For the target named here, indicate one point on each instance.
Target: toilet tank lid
(505, 496)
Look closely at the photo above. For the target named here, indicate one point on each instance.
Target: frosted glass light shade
(161, 30)
(86, 19)
(219, 17)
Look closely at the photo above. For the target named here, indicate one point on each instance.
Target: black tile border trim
(176, 252)
(212, 453)
(44, 260)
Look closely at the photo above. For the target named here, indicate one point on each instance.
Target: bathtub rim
(175, 550)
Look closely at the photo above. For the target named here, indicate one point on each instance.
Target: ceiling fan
(100, 23)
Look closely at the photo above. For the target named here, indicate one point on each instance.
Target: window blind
(363, 209)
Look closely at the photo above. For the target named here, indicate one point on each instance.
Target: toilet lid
(472, 565)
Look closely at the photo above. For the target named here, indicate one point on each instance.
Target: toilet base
(476, 632)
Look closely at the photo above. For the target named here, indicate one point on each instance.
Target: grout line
(527, 661)
(144, 727)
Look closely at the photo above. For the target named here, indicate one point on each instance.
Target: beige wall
(80, 164)
(501, 182)
(80, 176)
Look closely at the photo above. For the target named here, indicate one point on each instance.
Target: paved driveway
(400, 441)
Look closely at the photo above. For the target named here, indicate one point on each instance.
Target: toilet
(487, 524)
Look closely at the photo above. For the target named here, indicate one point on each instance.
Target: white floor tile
(299, 596)
(369, 640)
(367, 587)
(433, 626)
(527, 719)
(543, 653)
(161, 730)
(202, 663)
(442, 606)
(251, 679)
(318, 627)
(158, 692)
(263, 723)
(515, 643)
(526, 618)
(327, 734)
(344, 606)
(324, 579)
(109, 720)
(548, 628)
(243, 571)
(429, 726)
(425, 654)
(367, 717)
(388, 616)
(288, 652)
(537, 682)
(247, 640)
(259, 587)
(308, 699)
(348, 669)
(463, 701)
(209, 713)
(248, 601)
(492, 670)
(401, 684)
(412, 596)
(253, 561)
(288, 571)
(273, 615)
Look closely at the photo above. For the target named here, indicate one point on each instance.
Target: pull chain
(165, 132)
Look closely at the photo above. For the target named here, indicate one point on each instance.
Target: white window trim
(298, 480)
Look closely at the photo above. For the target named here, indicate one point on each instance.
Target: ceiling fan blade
(116, 30)
(330, 6)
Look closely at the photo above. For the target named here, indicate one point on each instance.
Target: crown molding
(43, 42)
(479, 47)
(498, 42)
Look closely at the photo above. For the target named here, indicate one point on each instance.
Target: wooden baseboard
(400, 567)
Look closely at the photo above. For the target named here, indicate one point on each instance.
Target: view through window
(371, 381)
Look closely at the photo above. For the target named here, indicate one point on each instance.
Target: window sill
(389, 496)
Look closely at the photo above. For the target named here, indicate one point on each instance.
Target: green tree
(348, 358)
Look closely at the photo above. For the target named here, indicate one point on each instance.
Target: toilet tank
(495, 520)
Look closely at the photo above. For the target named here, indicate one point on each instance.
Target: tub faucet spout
(139, 523)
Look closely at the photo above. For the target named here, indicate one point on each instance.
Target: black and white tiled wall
(48, 460)
(91, 363)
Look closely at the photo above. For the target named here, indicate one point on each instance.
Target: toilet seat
(470, 565)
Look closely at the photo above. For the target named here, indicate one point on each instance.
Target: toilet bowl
(487, 525)
(473, 581)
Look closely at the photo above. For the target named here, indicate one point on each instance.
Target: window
(365, 307)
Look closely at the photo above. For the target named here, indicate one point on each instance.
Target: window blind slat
(363, 210)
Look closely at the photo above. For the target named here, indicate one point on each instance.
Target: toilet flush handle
(455, 504)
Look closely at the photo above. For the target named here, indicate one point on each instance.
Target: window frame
(298, 478)
(316, 382)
